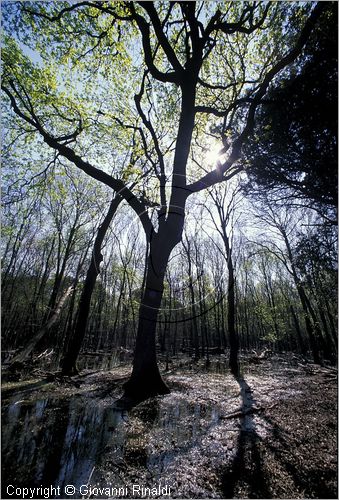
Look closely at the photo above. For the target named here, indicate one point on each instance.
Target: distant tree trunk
(223, 326)
(320, 340)
(332, 324)
(53, 317)
(195, 330)
(310, 327)
(330, 346)
(298, 330)
(121, 293)
(233, 335)
(270, 297)
(218, 342)
(175, 336)
(234, 342)
(74, 342)
(246, 318)
(225, 209)
(203, 316)
(68, 323)
(61, 267)
(9, 269)
(131, 306)
(45, 275)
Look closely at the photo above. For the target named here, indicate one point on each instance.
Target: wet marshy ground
(269, 434)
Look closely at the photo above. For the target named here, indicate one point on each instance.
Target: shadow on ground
(245, 471)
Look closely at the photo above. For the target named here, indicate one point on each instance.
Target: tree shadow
(245, 471)
(315, 483)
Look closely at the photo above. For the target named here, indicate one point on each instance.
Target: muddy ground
(270, 434)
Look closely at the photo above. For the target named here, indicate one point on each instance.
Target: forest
(169, 249)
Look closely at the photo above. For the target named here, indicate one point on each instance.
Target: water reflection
(180, 426)
(104, 361)
(54, 442)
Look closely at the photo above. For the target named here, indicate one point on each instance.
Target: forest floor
(270, 434)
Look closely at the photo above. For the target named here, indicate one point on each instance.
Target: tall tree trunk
(330, 347)
(53, 317)
(61, 268)
(234, 342)
(298, 330)
(233, 335)
(332, 324)
(195, 330)
(311, 327)
(74, 342)
(70, 316)
(222, 313)
(270, 297)
(224, 219)
(145, 380)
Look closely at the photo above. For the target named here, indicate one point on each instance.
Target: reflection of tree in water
(246, 467)
(55, 442)
(148, 413)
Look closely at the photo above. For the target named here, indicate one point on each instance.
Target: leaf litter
(269, 434)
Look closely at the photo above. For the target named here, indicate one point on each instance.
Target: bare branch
(223, 112)
(149, 58)
(94, 172)
(60, 14)
(217, 175)
(230, 28)
(166, 46)
(149, 126)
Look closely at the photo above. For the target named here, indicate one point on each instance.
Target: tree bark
(233, 334)
(145, 380)
(74, 342)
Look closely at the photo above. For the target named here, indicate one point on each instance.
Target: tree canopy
(74, 94)
(139, 95)
(295, 142)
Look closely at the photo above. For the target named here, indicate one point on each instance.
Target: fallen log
(257, 358)
(26, 351)
(241, 413)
